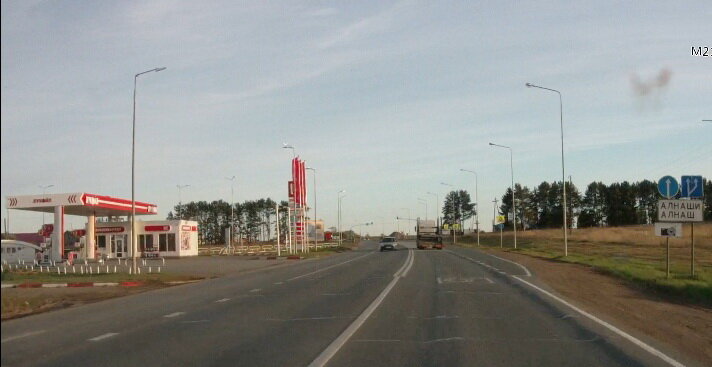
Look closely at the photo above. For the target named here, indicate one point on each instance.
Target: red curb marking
(80, 284)
(130, 284)
(293, 257)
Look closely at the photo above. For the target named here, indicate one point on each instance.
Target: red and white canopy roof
(79, 203)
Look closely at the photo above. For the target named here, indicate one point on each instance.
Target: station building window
(162, 242)
(170, 242)
(145, 241)
(101, 241)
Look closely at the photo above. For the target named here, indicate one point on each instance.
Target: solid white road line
(517, 264)
(174, 314)
(222, 300)
(30, 333)
(255, 290)
(489, 280)
(610, 327)
(102, 337)
(328, 267)
(339, 342)
(410, 265)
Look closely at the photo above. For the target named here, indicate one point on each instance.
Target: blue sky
(385, 99)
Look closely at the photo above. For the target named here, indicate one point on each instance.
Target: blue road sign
(692, 187)
(668, 187)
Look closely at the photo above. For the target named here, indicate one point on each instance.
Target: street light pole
(514, 206)
(454, 230)
(293, 210)
(339, 214)
(232, 208)
(423, 201)
(437, 205)
(409, 217)
(180, 201)
(134, 264)
(44, 192)
(563, 173)
(477, 206)
(316, 232)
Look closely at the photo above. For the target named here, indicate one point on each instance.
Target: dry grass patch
(633, 253)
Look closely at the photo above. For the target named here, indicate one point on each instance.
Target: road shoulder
(684, 328)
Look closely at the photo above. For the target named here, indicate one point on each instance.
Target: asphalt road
(456, 307)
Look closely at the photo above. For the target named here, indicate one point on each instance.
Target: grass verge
(641, 272)
(17, 277)
(24, 302)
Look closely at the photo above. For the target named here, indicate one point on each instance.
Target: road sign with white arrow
(668, 187)
(691, 187)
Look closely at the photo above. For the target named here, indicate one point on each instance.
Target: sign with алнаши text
(680, 210)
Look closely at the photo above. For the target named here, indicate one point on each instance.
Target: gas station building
(110, 239)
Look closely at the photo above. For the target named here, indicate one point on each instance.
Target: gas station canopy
(80, 203)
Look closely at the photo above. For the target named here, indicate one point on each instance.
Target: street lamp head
(491, 144)
(529, 85)
(159, 69)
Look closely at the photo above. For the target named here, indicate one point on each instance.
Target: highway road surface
(456, 307)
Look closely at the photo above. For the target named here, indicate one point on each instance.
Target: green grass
(643, 274)
(45, 277)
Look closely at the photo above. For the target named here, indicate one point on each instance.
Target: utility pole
(452, 205)
(514, 205)
(563, 174)
(134, 248)
(44, 190)
(316, 229)
(477, 206)
(494, 220)
(232, 208)
(339, 215)
(276, 210)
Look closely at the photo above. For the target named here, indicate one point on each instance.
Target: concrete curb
(71, 285)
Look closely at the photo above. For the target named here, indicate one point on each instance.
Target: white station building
(111, 239)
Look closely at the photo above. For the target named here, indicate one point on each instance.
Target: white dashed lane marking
(102, 337)
(30, 333)
(175, 314)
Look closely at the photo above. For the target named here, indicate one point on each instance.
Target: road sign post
(692, 187)
(689, 209)
(692, 250)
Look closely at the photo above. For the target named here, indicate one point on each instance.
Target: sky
(386, 100)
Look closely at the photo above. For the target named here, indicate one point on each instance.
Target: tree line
(253, 220)
(616, 204)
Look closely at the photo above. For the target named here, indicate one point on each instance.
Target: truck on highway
(428, 234)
